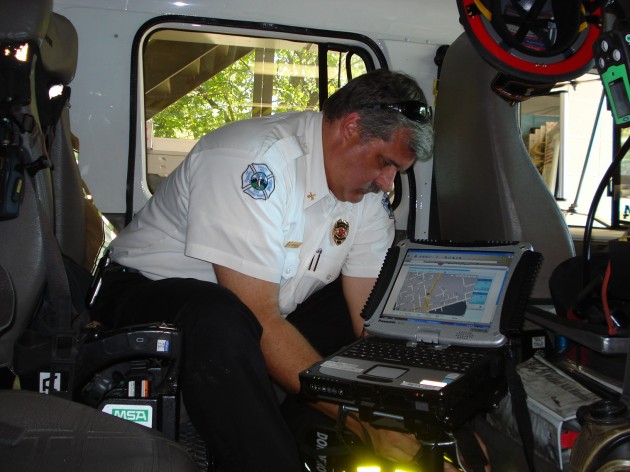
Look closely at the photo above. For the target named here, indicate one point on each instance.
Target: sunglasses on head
(415, 110)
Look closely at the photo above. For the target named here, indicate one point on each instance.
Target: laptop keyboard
(419, 355)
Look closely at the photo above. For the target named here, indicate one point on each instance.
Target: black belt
(116, 267)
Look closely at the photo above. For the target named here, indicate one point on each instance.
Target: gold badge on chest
(340, 231)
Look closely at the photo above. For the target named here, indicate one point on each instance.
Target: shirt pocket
(325, 267)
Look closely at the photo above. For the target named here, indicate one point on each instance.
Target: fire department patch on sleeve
(258, 181)
(388, 206)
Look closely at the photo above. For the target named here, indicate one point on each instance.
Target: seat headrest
(60, 50)
(33, 22)
(24, 21)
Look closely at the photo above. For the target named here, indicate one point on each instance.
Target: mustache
(373, 188)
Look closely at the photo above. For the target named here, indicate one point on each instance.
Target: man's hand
(393, 445)
(402, 448)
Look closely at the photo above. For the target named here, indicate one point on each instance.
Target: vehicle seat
(486, 185)
(44, 432)
(48, 433)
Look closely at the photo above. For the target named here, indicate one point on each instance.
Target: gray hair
(367, 93)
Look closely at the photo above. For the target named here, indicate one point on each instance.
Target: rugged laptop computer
(437, 322)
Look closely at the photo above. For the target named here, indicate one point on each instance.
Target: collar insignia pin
(311, 196)
(340, 231)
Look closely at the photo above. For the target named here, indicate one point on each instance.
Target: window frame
(601, 128)
(137, 192)
(614, 189)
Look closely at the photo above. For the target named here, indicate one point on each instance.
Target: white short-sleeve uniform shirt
(252, 196)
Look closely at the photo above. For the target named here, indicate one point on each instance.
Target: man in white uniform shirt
(263, 246)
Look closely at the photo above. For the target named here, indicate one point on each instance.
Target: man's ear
(350, 126)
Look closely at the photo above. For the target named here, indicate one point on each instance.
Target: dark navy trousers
(225, 385)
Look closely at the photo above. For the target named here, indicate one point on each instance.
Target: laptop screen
(446, 294)
(440, 286)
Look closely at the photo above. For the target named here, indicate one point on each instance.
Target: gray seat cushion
(41, 432)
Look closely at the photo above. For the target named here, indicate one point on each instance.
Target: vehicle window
(195, 82)
(569, 136)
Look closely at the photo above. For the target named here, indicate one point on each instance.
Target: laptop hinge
(423, 336)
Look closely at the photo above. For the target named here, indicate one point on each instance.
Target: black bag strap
(469, 448)
(520, 410)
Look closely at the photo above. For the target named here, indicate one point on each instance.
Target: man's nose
(385, 180)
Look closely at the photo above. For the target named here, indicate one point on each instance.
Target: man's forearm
(287, 353)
